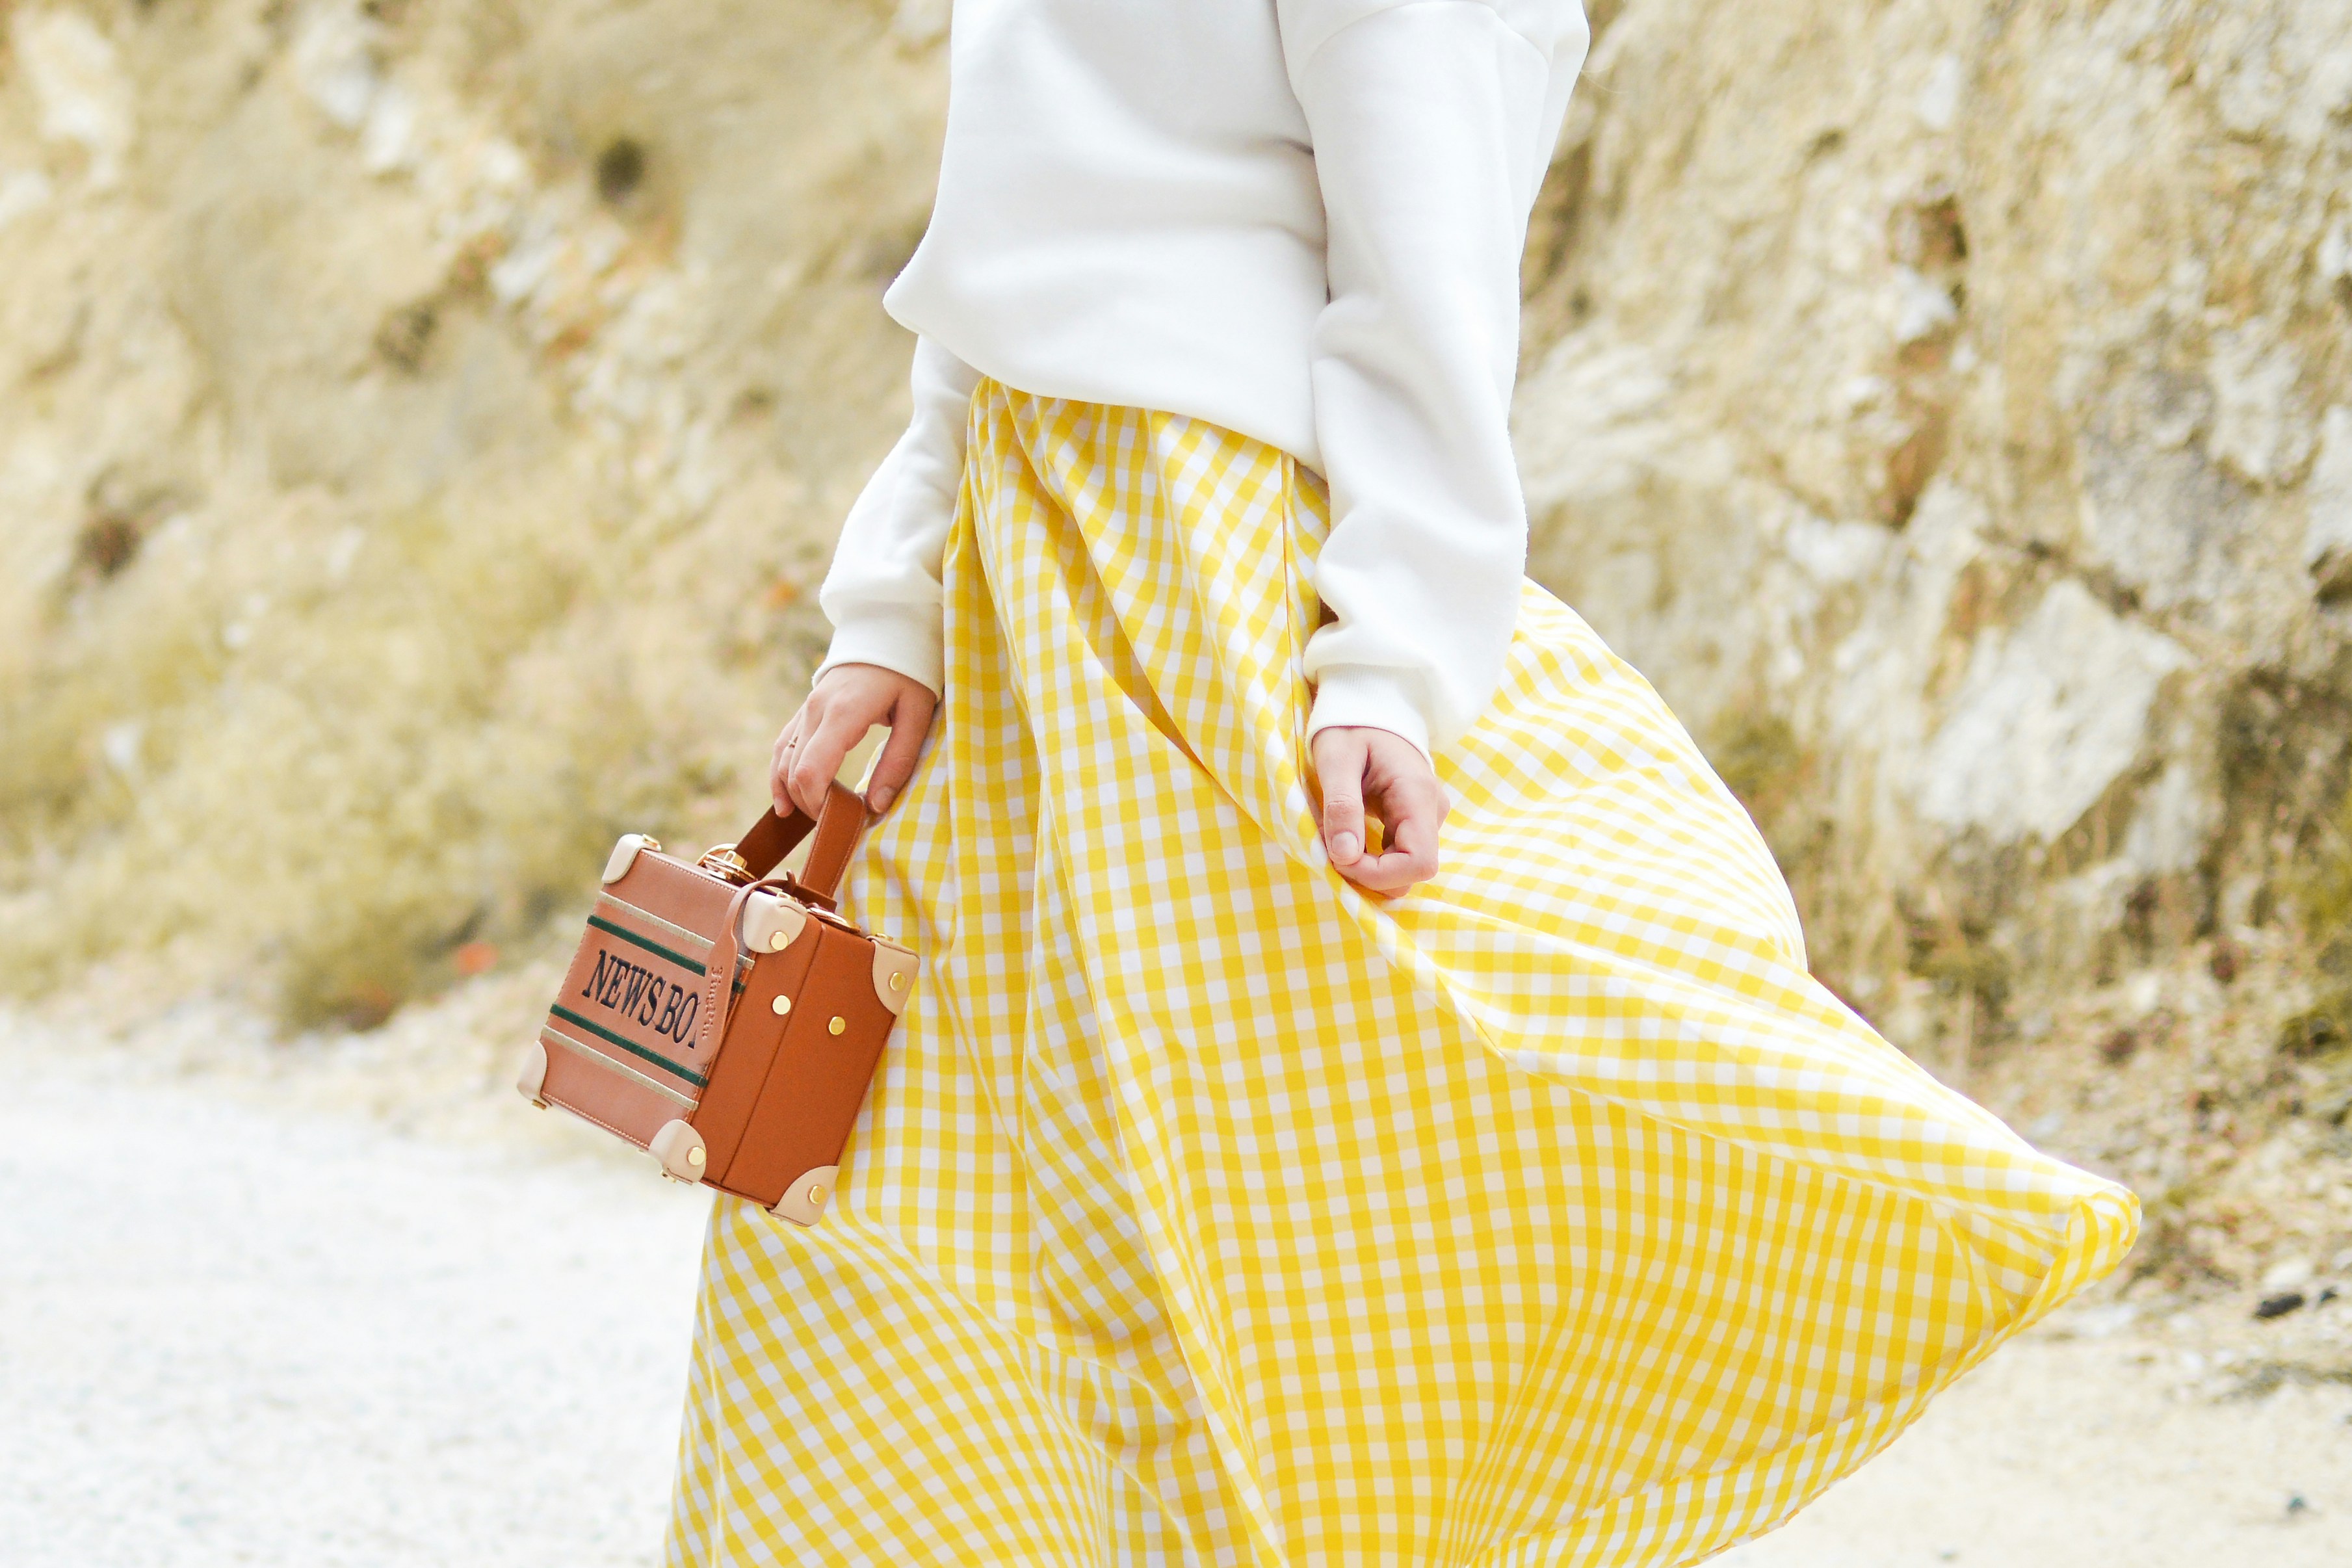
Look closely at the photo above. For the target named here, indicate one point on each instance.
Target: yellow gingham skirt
(1208, 1210)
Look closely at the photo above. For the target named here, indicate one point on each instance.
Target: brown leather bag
(751, 1087)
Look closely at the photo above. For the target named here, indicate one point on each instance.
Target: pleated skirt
(1208, 1210)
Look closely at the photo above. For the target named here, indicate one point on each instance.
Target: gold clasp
(722, 861)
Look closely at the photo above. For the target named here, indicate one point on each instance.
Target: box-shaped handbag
(724, 1020)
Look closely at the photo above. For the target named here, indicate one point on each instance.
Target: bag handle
(770, 840)
(719, 982)
(837, 827)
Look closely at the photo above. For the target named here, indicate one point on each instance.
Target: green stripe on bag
(602, 1032)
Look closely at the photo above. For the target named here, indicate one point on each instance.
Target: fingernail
(881, 796)
(1344, 846)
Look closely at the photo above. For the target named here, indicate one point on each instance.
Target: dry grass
(335, 756)
(2321, 892)
(378, 540)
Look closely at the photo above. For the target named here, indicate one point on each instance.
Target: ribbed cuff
(909, 641)
(1369, 696)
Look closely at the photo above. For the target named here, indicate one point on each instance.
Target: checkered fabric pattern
(1208, 1210)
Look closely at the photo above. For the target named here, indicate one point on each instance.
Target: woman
(1237, 1191)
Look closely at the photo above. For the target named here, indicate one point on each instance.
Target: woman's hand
(850, 699)
(1358, 764)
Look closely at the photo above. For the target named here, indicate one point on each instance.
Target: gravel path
(234, 1332)
(234, 1335)
(2078, 1454)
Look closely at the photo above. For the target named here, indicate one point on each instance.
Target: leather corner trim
(894, 976)
(771, 924)
(625, 855)
(806, 1195)
(532, 1083)
(679, 1149)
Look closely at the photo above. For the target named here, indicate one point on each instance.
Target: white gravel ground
(234, 1335)
(2073, 1454)
(240, 1331)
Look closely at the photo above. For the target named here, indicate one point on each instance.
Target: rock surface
(421, 423)
(1948, 405)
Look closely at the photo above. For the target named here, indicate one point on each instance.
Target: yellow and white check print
(1208, 1210)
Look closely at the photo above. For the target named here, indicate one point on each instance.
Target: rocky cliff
(1949, 407)
(419, 426)
(421, 423)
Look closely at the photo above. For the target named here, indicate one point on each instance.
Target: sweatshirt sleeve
(1432, 123)
(883, 592)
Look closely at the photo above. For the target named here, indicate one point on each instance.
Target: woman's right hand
(850, 699)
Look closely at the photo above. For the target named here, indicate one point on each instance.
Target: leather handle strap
(837, 827)
(719, 979)
(771, 839)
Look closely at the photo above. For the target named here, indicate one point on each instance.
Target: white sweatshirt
(1299, 219)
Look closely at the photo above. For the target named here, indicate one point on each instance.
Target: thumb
(910, 723)
(1340, 763)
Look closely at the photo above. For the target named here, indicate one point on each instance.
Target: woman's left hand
(1360, 764)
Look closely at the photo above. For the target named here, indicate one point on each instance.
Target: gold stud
(816, 1192)
(777, 941)
(782, 1005)
(897, 980)
(837, 1025)
(693, 1156)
